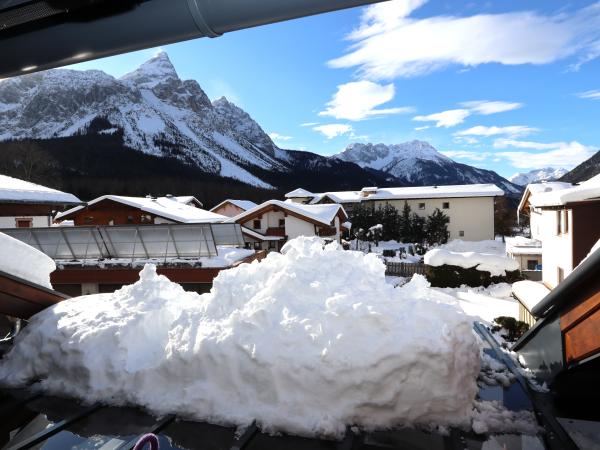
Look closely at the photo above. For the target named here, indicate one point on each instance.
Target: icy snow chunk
(24, 261)
(496, 265)
(307, 342)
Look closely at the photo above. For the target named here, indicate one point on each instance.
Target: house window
(24, 223)
(281, 223)
(566, 221)
(257, 246)
(558, 222)
(272, 245)
(461, 233)
(89, 219)
(256, 224)
(531, 264)
(446, 205)
(421, 205)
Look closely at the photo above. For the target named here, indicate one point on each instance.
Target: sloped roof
(587, 190)
(400, 193)
(539, 188)
(242, 204)
(319, 213)
(14, 190)
(299, 193)
(166, 207)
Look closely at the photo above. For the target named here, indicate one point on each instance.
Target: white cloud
(279, 137)
(333, 130)
(446, 119)
(309, 124)
(512, 131)
(388, 43)
(465, 154)
(593, 94)
(555, 154)
(465, 140)
(421, 128)
(358, 100)
(486, 107)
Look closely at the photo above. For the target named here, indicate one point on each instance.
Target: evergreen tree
(405, 224)
(437, 227)
(417, 229)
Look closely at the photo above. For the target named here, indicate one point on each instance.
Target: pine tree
(437, 227)
(417, 229)
(405, 224)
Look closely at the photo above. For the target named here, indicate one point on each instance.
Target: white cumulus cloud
(333, 130)
(593, 94)
(388, 43)
(446, 119)
(358, 100)
(465, 154)
(512, 131)
(554, 154)
(486, 107)
(279, 137)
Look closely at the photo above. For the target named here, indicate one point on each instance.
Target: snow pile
(23, 261)
(485, 246)
(495, 264)
(288, 342)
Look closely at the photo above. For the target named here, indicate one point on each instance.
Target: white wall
(268, 220)
(295, 227)
(557, 249)
(38, 221)
(472, 215)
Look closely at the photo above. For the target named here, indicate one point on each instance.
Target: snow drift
(496, 265)
(24, 261)
(306, 342)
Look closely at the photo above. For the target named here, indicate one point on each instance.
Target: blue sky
(504, 85)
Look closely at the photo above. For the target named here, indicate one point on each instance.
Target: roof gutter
(82, 31)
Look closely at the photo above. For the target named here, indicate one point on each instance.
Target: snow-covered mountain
(419, 163)
(535, 176)
(156, 112)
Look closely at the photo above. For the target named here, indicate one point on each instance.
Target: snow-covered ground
(24, 261)
(287, 342)
(487, 246)
(378, 249)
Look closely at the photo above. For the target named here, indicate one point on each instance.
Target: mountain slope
(584, 171)
(536, 176)
(419, 163)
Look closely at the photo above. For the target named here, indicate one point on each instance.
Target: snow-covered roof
(588, 190)
(166, 207)
(398, 193)
(242, 204)
(530, 293)
(539, 188)
(299, 193)
(520, 245)
(14, 190)
(186, 199)
(320, 213)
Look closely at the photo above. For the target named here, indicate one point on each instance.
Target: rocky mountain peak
(156, 70)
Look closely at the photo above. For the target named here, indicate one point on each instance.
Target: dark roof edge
(557, 298)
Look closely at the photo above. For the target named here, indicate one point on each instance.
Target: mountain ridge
(152, 111)
(537, 176)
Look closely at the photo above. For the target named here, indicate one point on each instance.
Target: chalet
(270, 224)
(566, 219)
(528, 252)
(232, 208)
(24, 204)
(470, 207)
(122, 210)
